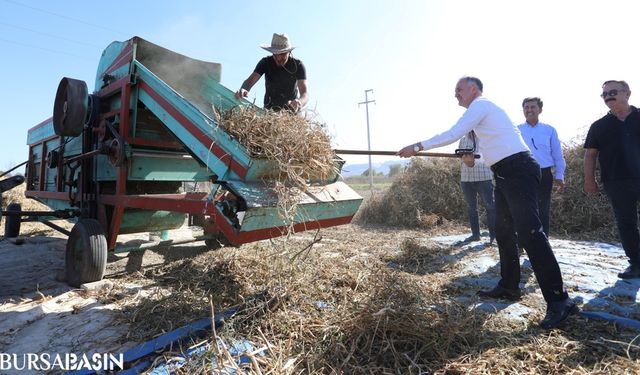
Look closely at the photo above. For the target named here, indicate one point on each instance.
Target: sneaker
(631, 272)
(501, 293)
(558, 312)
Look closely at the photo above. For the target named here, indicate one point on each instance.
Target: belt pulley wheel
(116, 153)
(52, 159)
(70, 107)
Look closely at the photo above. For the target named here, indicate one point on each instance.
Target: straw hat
(279, 44)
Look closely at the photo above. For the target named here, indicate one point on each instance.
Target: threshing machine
(115, 162)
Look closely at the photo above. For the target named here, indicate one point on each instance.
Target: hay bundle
(302, 148)
(426, 194)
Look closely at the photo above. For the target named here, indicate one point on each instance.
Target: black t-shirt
(618, 145)
(280, 81)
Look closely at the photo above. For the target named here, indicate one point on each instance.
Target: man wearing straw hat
(517, 175)
(285, 77)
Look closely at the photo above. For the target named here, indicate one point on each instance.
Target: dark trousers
(471, 190)
(544, 197)
(624, 196)
(516, 194)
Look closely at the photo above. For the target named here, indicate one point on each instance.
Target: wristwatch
(416, 147)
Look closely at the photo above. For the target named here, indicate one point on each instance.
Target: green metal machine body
(119, 158)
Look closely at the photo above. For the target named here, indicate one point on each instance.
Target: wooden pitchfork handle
(458, 153)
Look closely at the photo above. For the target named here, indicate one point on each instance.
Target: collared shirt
(618, 145)
(544, 144)
(480, 171)
(498, 137)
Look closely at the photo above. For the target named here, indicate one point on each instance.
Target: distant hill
(358, 169)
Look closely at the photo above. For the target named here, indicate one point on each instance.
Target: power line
(44, 49)
(50, 35)
(65, 17)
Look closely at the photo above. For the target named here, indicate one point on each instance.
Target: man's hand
(559, 186)
(407, 151)
(469, 159)
(242, 93)
(591, 187)
(295, 105)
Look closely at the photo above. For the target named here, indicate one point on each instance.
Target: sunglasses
(613, 92)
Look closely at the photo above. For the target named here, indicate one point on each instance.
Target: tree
(366, 173)
(394, 169)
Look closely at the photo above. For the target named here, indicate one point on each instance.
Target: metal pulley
(53, 157)
(70, 108)
(116, 152)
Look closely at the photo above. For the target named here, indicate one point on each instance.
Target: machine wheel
(216, 243)
(86, 257)
(12, 224)
(70, 107)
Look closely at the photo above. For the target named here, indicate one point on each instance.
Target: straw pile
(574, 213)
(428, 193)
(425, 195)
(16, 195)
(301, 148)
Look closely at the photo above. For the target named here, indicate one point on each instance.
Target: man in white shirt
(517, 176)
(544, 144)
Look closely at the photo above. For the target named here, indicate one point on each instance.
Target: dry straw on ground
(365, 303)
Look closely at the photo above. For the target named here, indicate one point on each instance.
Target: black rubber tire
(216, 243)
(12, 223)
(86, 255)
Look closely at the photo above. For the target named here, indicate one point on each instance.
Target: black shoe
(558, 312)
(471, 239)
(631, 272)
(467, 240)
(502, 293)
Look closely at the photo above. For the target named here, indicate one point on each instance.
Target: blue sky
(411, 54)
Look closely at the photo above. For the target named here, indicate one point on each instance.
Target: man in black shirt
(285, 77)
(614, 140)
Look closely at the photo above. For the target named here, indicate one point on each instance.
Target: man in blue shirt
(544, 144)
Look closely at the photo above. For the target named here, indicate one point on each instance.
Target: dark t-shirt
(618, 145)
(280, 81)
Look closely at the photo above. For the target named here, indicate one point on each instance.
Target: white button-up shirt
(498, 137)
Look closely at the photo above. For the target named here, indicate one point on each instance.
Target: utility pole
(366, 104)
